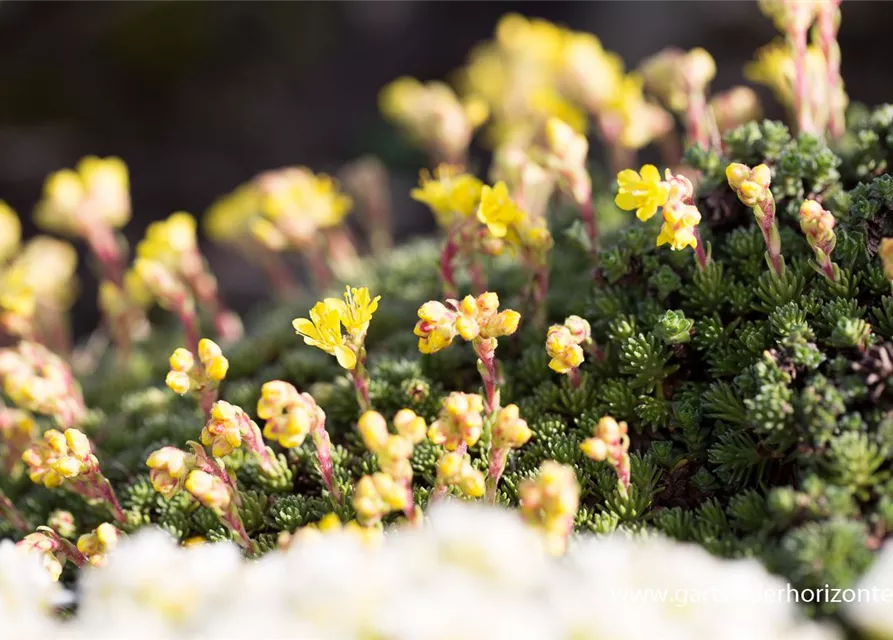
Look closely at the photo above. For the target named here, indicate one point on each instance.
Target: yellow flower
(644, 191)
(96, 544)
(436, 327)
(510, 430)
(10, 231)
(460, 421)
(680, 221)
(213, 360)
(231, 215)
(169, 467)
(356, 309)
(497, 210)
(450, 195)
(563, 350)
(323, 330)
(209, 490)
(97, 191)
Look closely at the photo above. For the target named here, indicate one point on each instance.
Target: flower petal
(346, 358)
(625, 200)
(650, 173)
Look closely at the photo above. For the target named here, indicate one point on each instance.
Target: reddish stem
(576, 378)
(447, 256)
(700, 252)
(324, 457)
(828, 25)
(801, 105)
(9, 511)
(103, 244)
(487, 368)
(494, 473)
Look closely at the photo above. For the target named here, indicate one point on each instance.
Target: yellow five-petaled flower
(323, 329)
(644, 191)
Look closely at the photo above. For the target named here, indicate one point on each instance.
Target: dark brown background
(199, 96)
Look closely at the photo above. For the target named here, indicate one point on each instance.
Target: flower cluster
(172, 244)
(817, 225)
(97, 544)
(290, 416)
(202, 377)
(38, 380)
(680, 80)
(67, 459)
(454, 469)
(323, 330)
(204, 479)
(482, 220)
(549, 502)
(36, 284)
(805, 77)
(645, 192)
(610, 442)
(564, 344)
(477, 320)
(752, 188)
(228, 427)
(434, 116)
(510, 431)
(460, 421)
(377, 495)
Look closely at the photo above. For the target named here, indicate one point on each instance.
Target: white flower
(27, 594)
(872, 611)
(152, 588)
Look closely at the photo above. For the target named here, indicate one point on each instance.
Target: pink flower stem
(487, 368)
(447, 256)
(104, 245)
(184, 308)
(696, 118)
(206, 399)
(576, 379)
(589, 216)
(494, 473)
(276, 270)
(828, 24)
(801, 105)
(233, 521)
(409, 511)
(324, 457)
(766, 220)
(321, 272)
(700, 251)
(12, 515)
(478, 282)
(254, 442)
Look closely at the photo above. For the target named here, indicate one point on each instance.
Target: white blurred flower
(153, 588)
(468, 572)
(27, 594)
(872, 611)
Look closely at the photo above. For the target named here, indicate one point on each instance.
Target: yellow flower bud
(410, 426)
(374, 430)
(181, 360)
(208, 489)
(178, 381)
(472, 482)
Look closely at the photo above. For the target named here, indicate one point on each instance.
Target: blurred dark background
(199, 96)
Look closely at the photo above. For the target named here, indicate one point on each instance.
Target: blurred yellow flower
(451, 195)
(497, 210)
